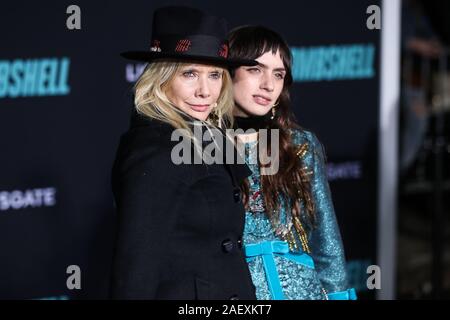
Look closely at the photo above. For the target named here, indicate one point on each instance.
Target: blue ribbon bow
(267, 250)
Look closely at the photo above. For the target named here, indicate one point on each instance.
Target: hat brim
(152, 56)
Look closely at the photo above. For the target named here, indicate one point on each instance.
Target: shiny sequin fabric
(298, 281)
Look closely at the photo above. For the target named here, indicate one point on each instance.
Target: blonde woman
(179, 225)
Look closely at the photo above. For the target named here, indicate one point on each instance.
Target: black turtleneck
(252, 122)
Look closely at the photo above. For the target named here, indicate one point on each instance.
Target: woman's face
(195, 89)
(256, 89)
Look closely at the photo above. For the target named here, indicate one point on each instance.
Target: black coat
(179, 227)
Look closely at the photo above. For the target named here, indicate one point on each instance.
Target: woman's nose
(203, 89)
(267, 82)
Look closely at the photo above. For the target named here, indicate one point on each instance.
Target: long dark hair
(292, 181)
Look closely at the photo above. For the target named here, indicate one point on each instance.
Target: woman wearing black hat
(179, 226)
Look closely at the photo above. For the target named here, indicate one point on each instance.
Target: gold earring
(273, 109)
(217, 116)
(219, 119)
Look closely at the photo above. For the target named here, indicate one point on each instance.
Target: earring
(273, 110)
(217, 116)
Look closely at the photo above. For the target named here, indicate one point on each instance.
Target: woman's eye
(279, 76)
(189, 74)
(216, 75)
(253, 70)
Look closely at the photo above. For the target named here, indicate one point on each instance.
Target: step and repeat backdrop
(65, 99)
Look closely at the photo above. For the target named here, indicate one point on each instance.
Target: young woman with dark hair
(291, 238)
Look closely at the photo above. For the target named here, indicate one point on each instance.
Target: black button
(234, 297)
(239, 243)
(227, 245)
(237, 195)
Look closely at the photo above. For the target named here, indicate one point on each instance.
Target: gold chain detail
(302, 234)
(302, 149)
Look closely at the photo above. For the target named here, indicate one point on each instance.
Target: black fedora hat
(183, 33)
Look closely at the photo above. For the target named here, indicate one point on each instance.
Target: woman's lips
(261, 100)
(199, 107)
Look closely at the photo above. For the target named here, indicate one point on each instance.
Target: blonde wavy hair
(151, 99)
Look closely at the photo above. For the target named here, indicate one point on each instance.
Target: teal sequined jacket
(281, 271)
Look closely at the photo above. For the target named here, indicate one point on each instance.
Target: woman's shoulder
(302, 137)
(145, 149)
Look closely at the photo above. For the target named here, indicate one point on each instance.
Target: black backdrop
(57, 148)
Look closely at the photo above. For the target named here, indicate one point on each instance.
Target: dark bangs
(251, 42)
